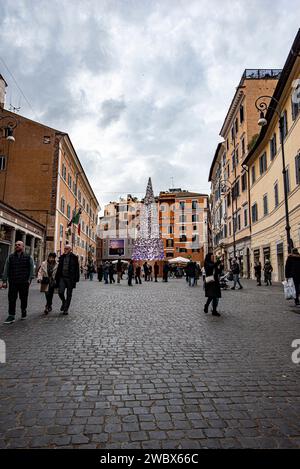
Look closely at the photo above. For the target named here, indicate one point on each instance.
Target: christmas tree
(148, 246)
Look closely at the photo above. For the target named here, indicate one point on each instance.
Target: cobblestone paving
(144, 367)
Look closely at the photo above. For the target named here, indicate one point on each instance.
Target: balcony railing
(258, 73)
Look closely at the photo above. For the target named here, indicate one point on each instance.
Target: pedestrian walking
(292, 270)
(100, 272)
(235, 269)
(90, 270)
(130, 273)
(67, 276)
(191, 273)
(138, 274)
(18, 272)
(150, 274)
(212, 286)
(46, 277)
(111, 272)
(257, 273)
(166, 269)
(119, 270)
(146, 271)
(156, 271)
(268, 269)
(106, 272)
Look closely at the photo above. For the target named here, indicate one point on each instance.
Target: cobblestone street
(144, 367)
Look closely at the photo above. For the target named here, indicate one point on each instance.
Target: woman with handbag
(46, 277)
(212, 285)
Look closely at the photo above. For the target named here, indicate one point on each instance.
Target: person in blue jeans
(235, 269)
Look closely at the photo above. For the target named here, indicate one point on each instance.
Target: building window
(253, 174)
(87, 208)
(297, 164)
(79, 196)
(194, 204)
(182, 205)
(229, 228)
(182, 250)
(296, 102)
(83, 202)
(228, 199)
(183, 239)
(46, 139)
(70, 181)
(265, 203)
(273, 147)
(232, 133)
(64, 172)
(254, 212)
(170, 243)
(239, 221)
(182, 228)
(227, 144)
(61, 231)
(170, 229)
(195, 218)
(236, 156)
(287, 179)
(242, 117)
(263, 163)
(182, 218)
(62, 205)
(243, 147)
(245, 217)
(233, 160)
(68, 211)
(236, 125)
(276, 194)
(194, 227)
(2, 163)
(244, 182)
(285, 124)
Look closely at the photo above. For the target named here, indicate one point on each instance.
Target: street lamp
(10, 123)
(262, 107)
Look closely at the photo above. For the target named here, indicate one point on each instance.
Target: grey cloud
(111, 111)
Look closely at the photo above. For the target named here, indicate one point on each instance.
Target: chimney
(3, 85)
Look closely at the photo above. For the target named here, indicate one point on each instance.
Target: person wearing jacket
(130, 273)
(19, 272)
(292, 270)
(46, 277)
(235, 269)
(257, 273)
(67, 275)
(138, 271)
(119, 270)
(191, 273)
(268, 269)
(100, 272)
(166, 269)
(212, 286)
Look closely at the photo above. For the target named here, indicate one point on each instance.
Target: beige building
(269, 239)
(183, 220)
(230, 223)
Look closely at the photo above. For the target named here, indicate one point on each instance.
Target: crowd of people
(62, 276)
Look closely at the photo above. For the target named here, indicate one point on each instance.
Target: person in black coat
(100, 273)
(130, 273)
(67, 276)
(292, 270)
(166, 269)
(257, 273)
(138, 274)
(191, 272)
(212, 288)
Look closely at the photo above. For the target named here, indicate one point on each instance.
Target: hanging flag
(75, 219)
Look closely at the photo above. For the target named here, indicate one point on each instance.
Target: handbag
(209, 279)
(289, 289)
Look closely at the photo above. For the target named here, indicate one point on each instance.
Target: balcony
(259, 73)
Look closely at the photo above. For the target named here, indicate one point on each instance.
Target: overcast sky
(141, 86)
